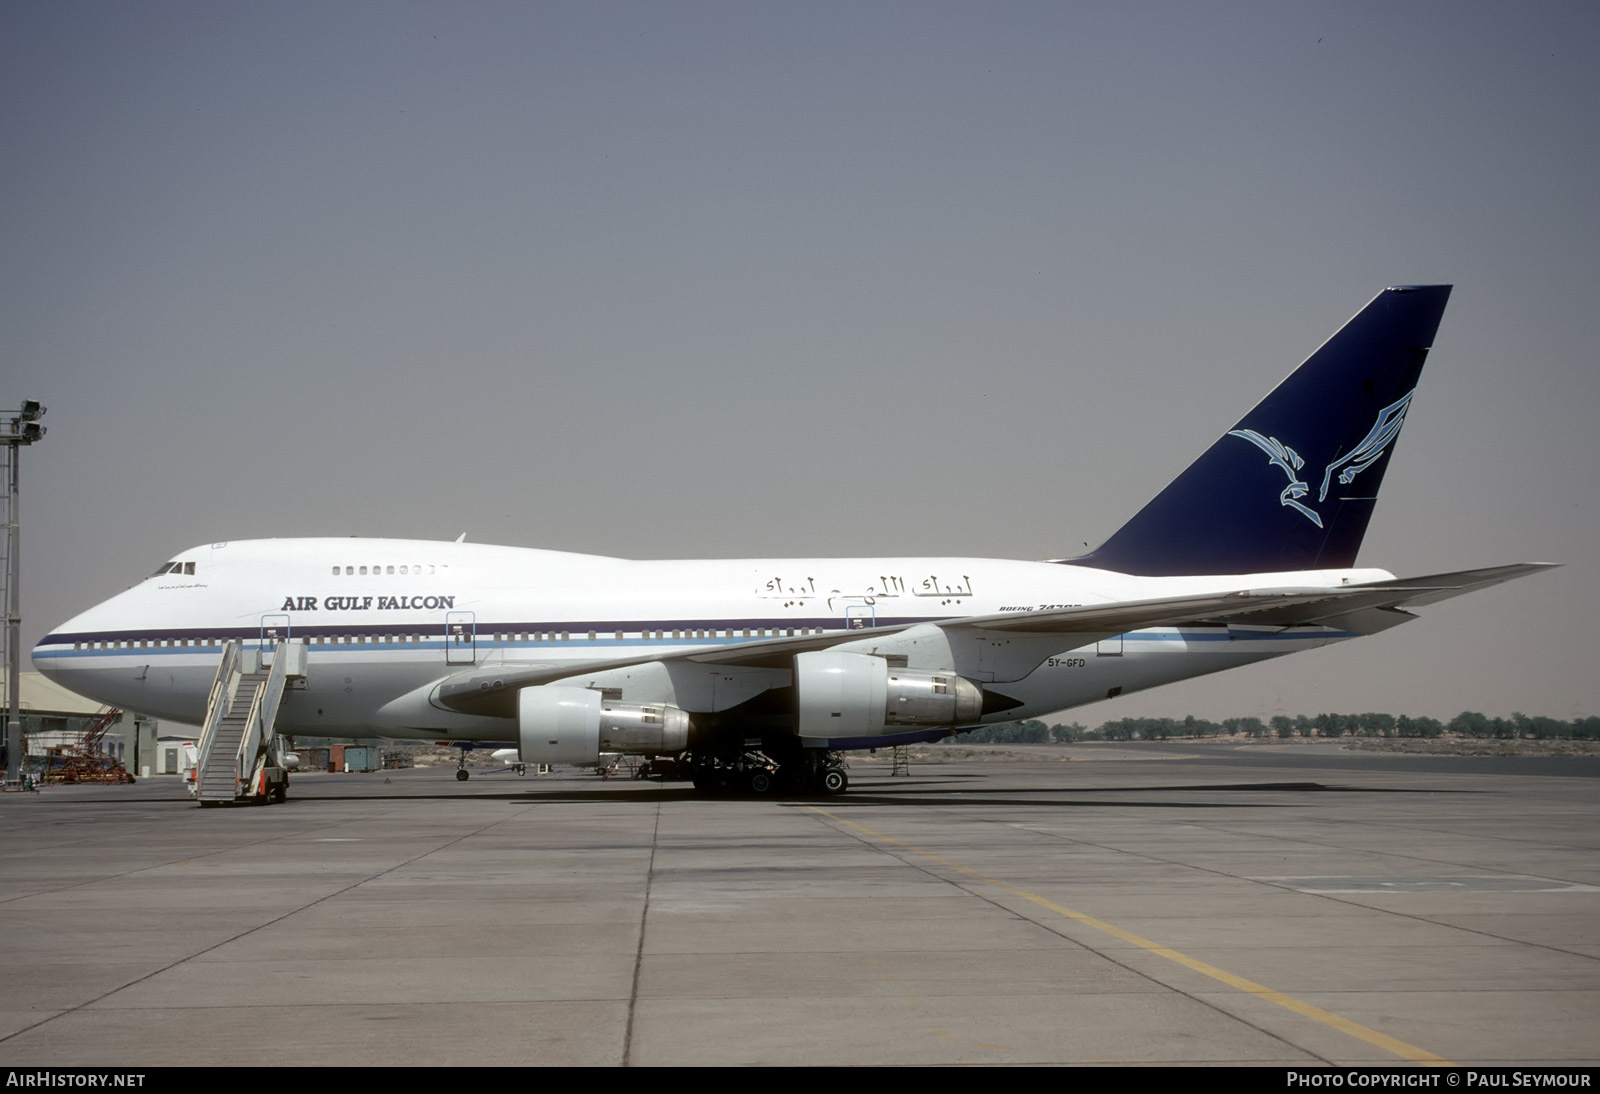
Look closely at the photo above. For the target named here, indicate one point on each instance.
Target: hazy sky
(744, 279)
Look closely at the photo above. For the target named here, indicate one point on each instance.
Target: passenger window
(336, 571)
(363, 571)
(390, 569)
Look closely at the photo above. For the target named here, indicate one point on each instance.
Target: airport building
(55, 719)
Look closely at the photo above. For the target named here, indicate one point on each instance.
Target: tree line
(1469, 723)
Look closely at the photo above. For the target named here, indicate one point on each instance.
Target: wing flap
(1109, 619)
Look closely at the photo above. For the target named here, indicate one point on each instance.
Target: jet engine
(840, 694)
(567, 725)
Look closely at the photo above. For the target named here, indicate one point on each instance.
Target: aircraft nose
(67, 658)
(46, 654)
(52, 655)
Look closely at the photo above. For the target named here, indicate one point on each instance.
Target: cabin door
(274, 629)
(460, 638)
(858, 617)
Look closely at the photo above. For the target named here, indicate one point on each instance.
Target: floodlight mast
(24, 430)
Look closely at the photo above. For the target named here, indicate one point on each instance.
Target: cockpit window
(175, 568)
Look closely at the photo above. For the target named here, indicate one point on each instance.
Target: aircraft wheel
(462, 776)
(760, 783)
(834, 781)
(795, 782)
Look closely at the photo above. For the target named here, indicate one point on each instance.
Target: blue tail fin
(1292, 486)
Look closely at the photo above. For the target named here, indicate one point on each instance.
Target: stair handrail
(218, 703)
(253, 751)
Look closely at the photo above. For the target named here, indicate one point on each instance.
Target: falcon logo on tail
(1363, 456)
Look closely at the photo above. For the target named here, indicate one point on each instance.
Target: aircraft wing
(1398, 594)
(491, 689)
(1437, 587)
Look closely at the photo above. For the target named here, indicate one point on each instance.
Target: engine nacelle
(566, 725)
(839, 694)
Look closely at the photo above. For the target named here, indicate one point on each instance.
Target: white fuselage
(386, 621)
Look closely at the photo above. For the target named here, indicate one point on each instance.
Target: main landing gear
(756, 773)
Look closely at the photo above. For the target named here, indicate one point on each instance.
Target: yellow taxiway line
(1250, 987)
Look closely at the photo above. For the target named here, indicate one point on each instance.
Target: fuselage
(386, 621)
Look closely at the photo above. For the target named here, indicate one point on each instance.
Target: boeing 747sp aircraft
(758, 671)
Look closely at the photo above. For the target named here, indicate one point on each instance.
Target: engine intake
(557, 724)
(839, 694)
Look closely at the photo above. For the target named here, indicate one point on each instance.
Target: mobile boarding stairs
(239, 757)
